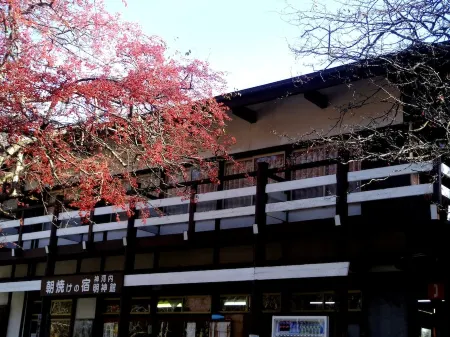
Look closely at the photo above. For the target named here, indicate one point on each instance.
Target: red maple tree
(87, 101)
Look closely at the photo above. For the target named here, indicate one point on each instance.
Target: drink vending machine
(300, 326)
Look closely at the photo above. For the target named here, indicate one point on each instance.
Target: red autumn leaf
(85, 97)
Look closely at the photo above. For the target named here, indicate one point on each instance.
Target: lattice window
(248, 165)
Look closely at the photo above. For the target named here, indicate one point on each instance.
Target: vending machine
(300, 326)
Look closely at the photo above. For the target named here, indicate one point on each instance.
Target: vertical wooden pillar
(125, 297)
(19, 247)
(342, 302)
(411, 304)
(192, 207)
(342, 186)
(341, 220)
(73, 316)
(437, 184)
(97, 329)
(219, 205)
(90, 237)
(259, 245)
(256, 310)
(50, 271)
(154, 313)
(260, 212)
(342, 241)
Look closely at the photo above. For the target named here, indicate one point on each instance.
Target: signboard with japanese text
(69, 285)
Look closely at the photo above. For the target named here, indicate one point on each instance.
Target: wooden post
(342, 187)
(260, 212)
(154, 313)
(219, 205)
(73, 315)
(130, 253)
(256, 310)
(341, 220)
(437, 184)
(50, 271)
(259, 245)
(97, 328)
(192, 207)
(90, 237)
(342, 301)
(19, 247)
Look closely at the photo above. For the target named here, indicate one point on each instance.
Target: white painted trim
(389, 171)
(240, 274)
(208, 276)
(72, 230)
(301, 204)
(72, 215)
(109, 210)
(163, 220)
(200, 276)
(445, 170)
(8, 287)
(225, 213)
(445, 192)
(9, 224)
(278, 215)
(227, 194)
(301, 183)
(9, 238)
(36, 235)
(110, 226)
(164, 202)
(38, 219)
(302, 271)
(390, 193)
(434, 212)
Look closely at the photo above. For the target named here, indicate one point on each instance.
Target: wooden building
(308, 239)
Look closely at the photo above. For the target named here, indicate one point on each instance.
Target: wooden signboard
(96, 284)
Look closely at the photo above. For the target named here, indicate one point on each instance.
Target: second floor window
(248, 165)
(315, 155)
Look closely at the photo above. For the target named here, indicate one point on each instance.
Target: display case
(300, 326)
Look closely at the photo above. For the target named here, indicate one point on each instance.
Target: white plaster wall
(15, 314)
(299, 118)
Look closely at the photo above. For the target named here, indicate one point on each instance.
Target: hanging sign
(96, 284)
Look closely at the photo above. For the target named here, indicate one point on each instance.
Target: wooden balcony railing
(269, 203)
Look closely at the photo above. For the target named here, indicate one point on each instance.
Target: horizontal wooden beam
(246, 114)
(389, 171)
(301, 204)
(240, 274)
(445, 170)
(317, 98)
(8, 287)
(390, 193)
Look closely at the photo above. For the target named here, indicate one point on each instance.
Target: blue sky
(248, 39)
